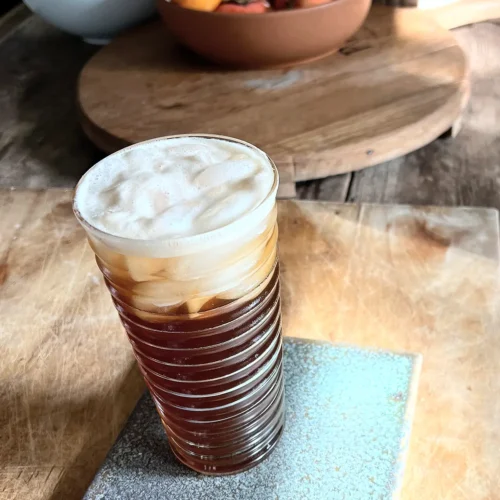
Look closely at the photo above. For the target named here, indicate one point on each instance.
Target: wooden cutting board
(453, 13)
(397, 85)
(416, 279)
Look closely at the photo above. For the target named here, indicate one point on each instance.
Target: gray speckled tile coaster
(348, 421)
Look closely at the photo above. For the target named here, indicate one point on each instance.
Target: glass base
(241, 467)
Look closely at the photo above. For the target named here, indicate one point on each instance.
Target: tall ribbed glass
(202, 314)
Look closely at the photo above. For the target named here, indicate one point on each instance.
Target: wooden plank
(462, 12)
(12, 19)
(68, 385)
(395, 277)
(41, 145)
(418, 279)
(20, 483)
(452, 13)
(460, 171)
(41, 142)
(334, 188)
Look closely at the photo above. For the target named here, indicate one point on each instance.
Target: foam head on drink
(184, 231)
(182, 210)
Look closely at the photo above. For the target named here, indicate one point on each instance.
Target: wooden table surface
(41, 144)
(394, 277)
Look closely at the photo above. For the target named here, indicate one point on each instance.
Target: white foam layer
(175, 189)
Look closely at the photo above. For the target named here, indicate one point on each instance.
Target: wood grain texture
(12, 19)
(408, 278)
(464, 12)
(68, 380)
(42, 145)
(453, 13)
(417, 279)
(333, 188)
(41, 141)
(397, 85)
(462, 171)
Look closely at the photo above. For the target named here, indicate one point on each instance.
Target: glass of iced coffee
(184, 231)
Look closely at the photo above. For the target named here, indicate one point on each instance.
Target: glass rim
(181, 240)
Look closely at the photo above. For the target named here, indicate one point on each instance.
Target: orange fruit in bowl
(204, 5)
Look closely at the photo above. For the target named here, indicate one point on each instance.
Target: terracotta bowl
(272, 39)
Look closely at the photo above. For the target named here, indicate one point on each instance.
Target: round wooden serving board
(453, 13)
(398, 84)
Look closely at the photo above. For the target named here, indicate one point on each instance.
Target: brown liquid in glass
(215, 377)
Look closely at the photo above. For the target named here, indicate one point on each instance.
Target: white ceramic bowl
(96, 21)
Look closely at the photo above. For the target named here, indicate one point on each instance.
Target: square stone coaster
(348, 421)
